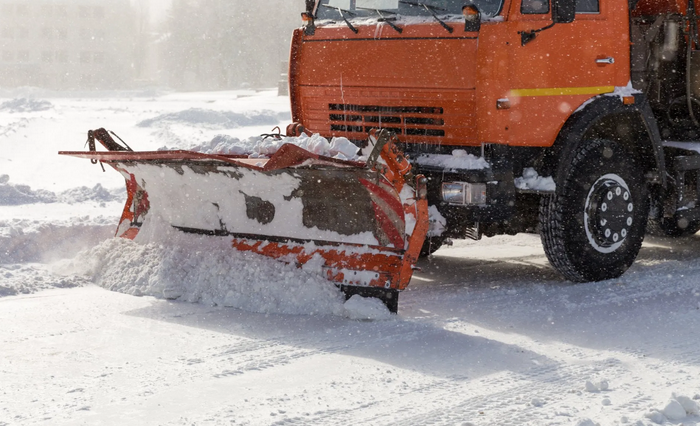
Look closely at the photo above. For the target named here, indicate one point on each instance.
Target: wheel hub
(608, 214)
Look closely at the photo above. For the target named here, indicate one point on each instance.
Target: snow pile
(260, 146)
(228, 145)
(459, 160)
(531, 180)
(363, 308)
(215, 119)
(317, 144)
(15, 194)
(602, 385)
(28, 279)
(340, 148)
(201, 269)
(97, 193)
(26, 240)
(25, 105)
(13, 128)
(207, 270)
(678, 408)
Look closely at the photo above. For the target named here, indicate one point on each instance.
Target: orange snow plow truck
(577, 119)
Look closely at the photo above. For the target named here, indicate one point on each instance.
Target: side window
(587, 6)
(535, 7)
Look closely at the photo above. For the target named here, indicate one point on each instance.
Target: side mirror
(563, 11)
(472, 18)
(308, 17)
(309, 23)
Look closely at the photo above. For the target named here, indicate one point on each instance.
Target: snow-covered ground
(487, 333)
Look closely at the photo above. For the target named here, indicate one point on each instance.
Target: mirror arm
(311, 6)
(528, 36)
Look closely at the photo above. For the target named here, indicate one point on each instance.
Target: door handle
(607, 60)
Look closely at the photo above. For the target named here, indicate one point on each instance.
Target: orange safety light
(309, 24)
(470, 11)
(472, 18)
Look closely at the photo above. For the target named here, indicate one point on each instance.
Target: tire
(430, 246)
(593, 226)
(668, 227)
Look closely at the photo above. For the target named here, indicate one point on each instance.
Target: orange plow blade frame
(356, 268)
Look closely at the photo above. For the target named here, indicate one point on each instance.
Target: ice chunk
(674, 410)
(533, 181)
(690, 406)
(343, 146)
(590, 387)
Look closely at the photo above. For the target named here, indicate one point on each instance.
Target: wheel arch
(606, 117)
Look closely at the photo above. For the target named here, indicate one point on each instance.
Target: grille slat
(403, 120)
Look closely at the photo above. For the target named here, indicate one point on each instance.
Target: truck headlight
(464, 193)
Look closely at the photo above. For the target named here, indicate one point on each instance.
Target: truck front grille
(409, 121)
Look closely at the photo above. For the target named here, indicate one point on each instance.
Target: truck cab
(525, 115)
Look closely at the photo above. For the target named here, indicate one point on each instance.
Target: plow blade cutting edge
(366, 221)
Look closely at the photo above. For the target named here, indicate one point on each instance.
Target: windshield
(353, 9)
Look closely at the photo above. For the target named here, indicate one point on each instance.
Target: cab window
(587, 6)
(534, 7)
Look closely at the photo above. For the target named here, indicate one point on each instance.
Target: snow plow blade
(365, 221)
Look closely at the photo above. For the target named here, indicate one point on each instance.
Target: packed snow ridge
(15, 194)
(18, 279)
(207, 270)
(215, 119)
(678, 408)
(25, 105)
(458, 160)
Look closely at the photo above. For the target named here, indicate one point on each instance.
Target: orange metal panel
(414, 115)
(481, 89)
(492, 76)
(349, 83)
(660, 7)
(554, 74)
(423, 56)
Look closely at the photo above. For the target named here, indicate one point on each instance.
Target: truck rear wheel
(593, 226)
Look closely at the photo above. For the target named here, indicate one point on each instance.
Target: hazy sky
(157, 8)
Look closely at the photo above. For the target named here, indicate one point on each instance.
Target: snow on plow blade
(366, 221)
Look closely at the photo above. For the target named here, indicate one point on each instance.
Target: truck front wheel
(592, 227)
(430, 246)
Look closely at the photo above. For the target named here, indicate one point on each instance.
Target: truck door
(553, 71)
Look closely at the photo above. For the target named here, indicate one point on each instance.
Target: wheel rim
(608, 213)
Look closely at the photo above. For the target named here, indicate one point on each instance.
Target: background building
(63, 44)
(114, 44)
(220, 44)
